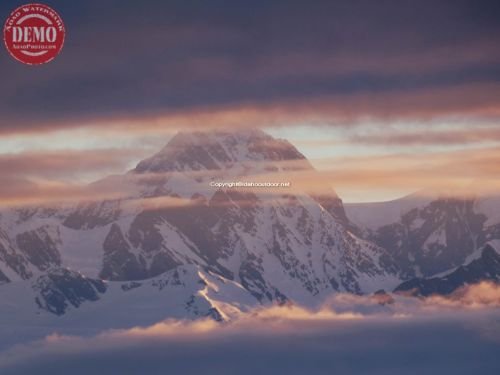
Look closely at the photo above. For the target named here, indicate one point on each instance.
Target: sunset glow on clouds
(361, 84)
(45, 176)
(139, 233)
(346, 328)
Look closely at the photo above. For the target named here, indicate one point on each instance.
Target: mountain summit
(177, 245)
(196, 151)
(277, 246)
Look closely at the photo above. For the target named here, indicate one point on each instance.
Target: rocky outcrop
(485, 268)
(61, 289)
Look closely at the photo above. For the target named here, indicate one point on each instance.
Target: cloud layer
(349, 335)
(324, 59)
(384, 75)
(56, 176)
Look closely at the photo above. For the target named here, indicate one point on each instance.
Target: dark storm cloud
(130, 59)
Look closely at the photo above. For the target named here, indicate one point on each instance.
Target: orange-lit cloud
(471, 171)
(467, 319)
(424, 137)
(66, 163)
(481, 295)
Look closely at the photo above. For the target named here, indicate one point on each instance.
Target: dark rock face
(230, 211)
(485, 268)
(61, 288)
(333, 204)
(39, 248)
(433, 238)
(119, 263)
(208, 227)
(27, 213)
(92, 215)
(251, 278)
(3, 279)
(492, 232)
(131, 285)
(11, 257)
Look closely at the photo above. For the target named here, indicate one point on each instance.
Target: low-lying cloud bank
(350, 334)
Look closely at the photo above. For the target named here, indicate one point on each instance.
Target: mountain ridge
(286, 246)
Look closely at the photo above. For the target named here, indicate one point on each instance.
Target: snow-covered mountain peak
(220, 150)
(215, 248)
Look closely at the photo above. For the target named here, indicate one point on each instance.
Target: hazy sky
(389, 96)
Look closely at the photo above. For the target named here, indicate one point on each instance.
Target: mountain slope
(484, 265)
(275, 244)
(65, 302)
(426, 236)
